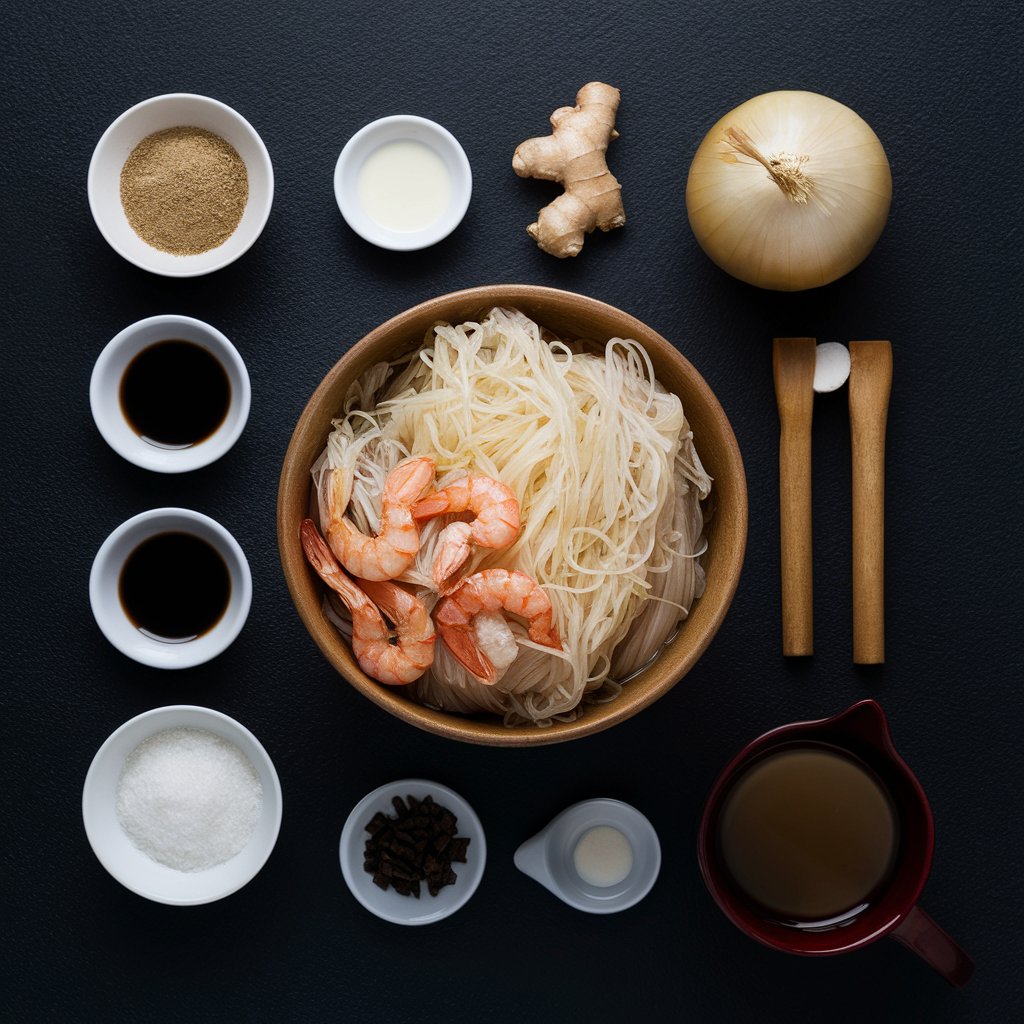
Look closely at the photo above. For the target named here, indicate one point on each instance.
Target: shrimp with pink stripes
(387, 555)
(495, 522)
(392, 663)
(493, 590)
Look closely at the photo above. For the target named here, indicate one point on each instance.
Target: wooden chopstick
(793, 368)
(870, 385)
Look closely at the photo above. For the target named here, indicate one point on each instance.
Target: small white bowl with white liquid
(600, 856)
(403, 182)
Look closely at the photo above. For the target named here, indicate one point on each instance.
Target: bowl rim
(487, 732)
(190, 265)
(153, 716)
(105, 405)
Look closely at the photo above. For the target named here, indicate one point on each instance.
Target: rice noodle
(609, 483)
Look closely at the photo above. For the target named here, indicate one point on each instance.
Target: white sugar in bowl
(122, 855)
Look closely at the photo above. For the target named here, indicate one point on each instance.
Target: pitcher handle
(917, 931)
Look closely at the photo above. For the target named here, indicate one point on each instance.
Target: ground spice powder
(184, 190)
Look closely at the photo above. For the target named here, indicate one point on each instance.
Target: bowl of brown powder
(180, 185)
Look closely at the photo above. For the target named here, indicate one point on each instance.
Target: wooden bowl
(570, 316)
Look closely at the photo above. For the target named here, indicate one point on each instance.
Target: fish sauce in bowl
(175, 394)
(174, 587)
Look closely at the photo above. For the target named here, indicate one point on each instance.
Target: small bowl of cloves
(412, 852)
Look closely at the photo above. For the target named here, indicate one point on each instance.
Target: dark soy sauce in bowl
(809, 835)
(175, 394)
(174, 587)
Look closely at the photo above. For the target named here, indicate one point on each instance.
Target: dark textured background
(939, 82)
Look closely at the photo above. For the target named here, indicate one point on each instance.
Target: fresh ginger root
(574, 154)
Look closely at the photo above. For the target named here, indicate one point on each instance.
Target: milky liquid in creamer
(404, 185)
(603, 856)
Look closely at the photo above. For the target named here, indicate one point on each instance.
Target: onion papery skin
(753, 230)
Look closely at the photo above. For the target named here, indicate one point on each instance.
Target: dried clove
(417, 845)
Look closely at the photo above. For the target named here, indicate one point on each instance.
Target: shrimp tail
(430, 506)
(546, 633)
(406, 610)
(317, 553)
(322, 559)
(382, 594)
(454, 546)
(457, 633)
(408, 480)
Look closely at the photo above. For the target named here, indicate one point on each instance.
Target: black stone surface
(939, 82)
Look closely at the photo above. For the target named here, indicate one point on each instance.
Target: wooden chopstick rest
(870, 385)
(793, 368)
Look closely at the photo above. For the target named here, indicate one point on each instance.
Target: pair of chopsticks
(870, 384)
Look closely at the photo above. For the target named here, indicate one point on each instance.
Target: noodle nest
(602, 460)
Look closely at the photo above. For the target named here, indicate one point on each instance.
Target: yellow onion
(789, 191)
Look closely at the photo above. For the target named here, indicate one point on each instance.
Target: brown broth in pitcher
(808, 834)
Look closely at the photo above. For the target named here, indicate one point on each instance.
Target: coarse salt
(188, 798)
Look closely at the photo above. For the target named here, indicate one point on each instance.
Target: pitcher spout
(866, 722)
(531, 859)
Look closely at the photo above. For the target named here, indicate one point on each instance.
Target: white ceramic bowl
(123, 633)
(105, 386)
(388, 904)
(394, 129)
(125, 861)
(174, 110)
(548, 856)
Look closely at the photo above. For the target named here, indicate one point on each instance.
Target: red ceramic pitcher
(862, 733)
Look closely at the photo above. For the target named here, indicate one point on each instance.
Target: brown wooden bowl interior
(570, 316)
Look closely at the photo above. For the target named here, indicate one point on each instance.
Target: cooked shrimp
(495, 525)
(414, 628)
(491, 590)
(394, 664)
(392, 551)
